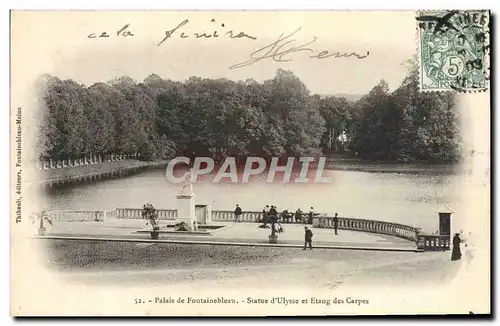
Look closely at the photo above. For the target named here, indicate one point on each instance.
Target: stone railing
(222, 216)
(433, 242)
(351, 224)
(136, 213)
(76, 216)
(86, 160)
(372, 226)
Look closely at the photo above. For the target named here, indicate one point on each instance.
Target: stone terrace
(236, 233)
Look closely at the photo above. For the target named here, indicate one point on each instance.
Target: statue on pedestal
(187, 185)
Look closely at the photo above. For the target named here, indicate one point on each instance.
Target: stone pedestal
(186, 210)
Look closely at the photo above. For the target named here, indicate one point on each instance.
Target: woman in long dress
(456, 254)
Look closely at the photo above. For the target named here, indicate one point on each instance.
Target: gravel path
(115, 263)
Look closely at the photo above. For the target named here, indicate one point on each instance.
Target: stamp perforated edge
(486, 59)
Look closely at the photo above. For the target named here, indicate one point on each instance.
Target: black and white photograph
(250, 163)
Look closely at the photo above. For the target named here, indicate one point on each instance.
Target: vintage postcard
(250, 163)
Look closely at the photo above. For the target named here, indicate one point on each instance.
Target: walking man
(237, 213)
(308, 239)
(335, 223)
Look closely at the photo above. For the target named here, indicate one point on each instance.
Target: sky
(57, 43)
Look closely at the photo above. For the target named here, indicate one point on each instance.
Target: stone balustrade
(433, 242)
(86, 160)
(372, 226)
(222, 216)
(76, 216)
(136, 213)
(352, 224)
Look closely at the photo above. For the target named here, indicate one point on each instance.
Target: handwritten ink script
(281, 50)
(214, 34)
(336, 283)
(124, 32)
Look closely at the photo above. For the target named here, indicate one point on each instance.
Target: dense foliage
(160, 118)
(406, 125)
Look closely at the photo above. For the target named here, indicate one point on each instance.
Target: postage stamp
(453, 50)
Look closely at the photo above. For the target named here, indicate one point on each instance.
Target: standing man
(456, 254)
(335, 223)
(308, 239)
(265, 213)
(298, 215)
(311, 216)
(237, 213)
(273, 212)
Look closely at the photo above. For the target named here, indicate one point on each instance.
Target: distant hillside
(349, 97)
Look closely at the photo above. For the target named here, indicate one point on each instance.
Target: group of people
(271, 212)
(287, 217)
(271, 216)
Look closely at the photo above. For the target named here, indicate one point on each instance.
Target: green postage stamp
(453, 50)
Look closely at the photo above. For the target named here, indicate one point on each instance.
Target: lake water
(412, 199)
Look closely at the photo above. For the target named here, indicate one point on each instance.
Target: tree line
(160, 118)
